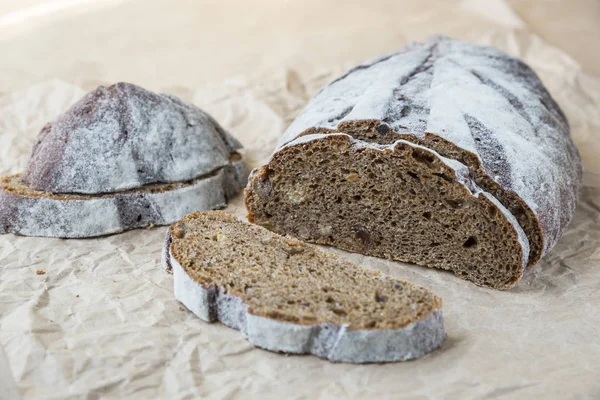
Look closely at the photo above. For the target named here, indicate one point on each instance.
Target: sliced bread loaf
(452, 105)
(121, 158)
(287, 296)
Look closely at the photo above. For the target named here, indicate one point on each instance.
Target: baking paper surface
(102, 321)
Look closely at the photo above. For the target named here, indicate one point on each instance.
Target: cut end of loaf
(379, 132)
(401, 202)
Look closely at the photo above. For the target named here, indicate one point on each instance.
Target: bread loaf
(287, 296)
(121, 158)
(445, 154)
(122, 137)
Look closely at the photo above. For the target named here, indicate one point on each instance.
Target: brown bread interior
(370, 131)
(403, 204)
(285, 279)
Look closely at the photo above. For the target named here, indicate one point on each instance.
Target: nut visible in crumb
(41, 271)
(353, 177)
(380, 298)
(303, 233)
(265, 224)
(220, 237)
(362, 233)
(325, 230)
(178, 232)
(265, 239)
(264, 186)
(297, 196)
(292, 249)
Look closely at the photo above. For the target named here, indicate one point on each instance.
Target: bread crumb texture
(284, 279)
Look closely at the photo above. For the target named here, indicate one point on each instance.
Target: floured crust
(121, 158)
(28, 212)
(470, 103)
(123, 137)
(332, 341)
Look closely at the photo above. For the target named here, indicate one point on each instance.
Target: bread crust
(81, 216)
(470, 103)
(122, 137)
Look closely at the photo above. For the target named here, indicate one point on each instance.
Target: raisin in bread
(287, 296)
(445, 154)
(121, 158)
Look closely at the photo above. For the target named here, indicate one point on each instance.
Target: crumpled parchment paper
(102, 321)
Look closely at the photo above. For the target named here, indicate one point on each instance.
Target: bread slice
(29, 212)
(475, 107)
(287, 296)
(401, 201)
